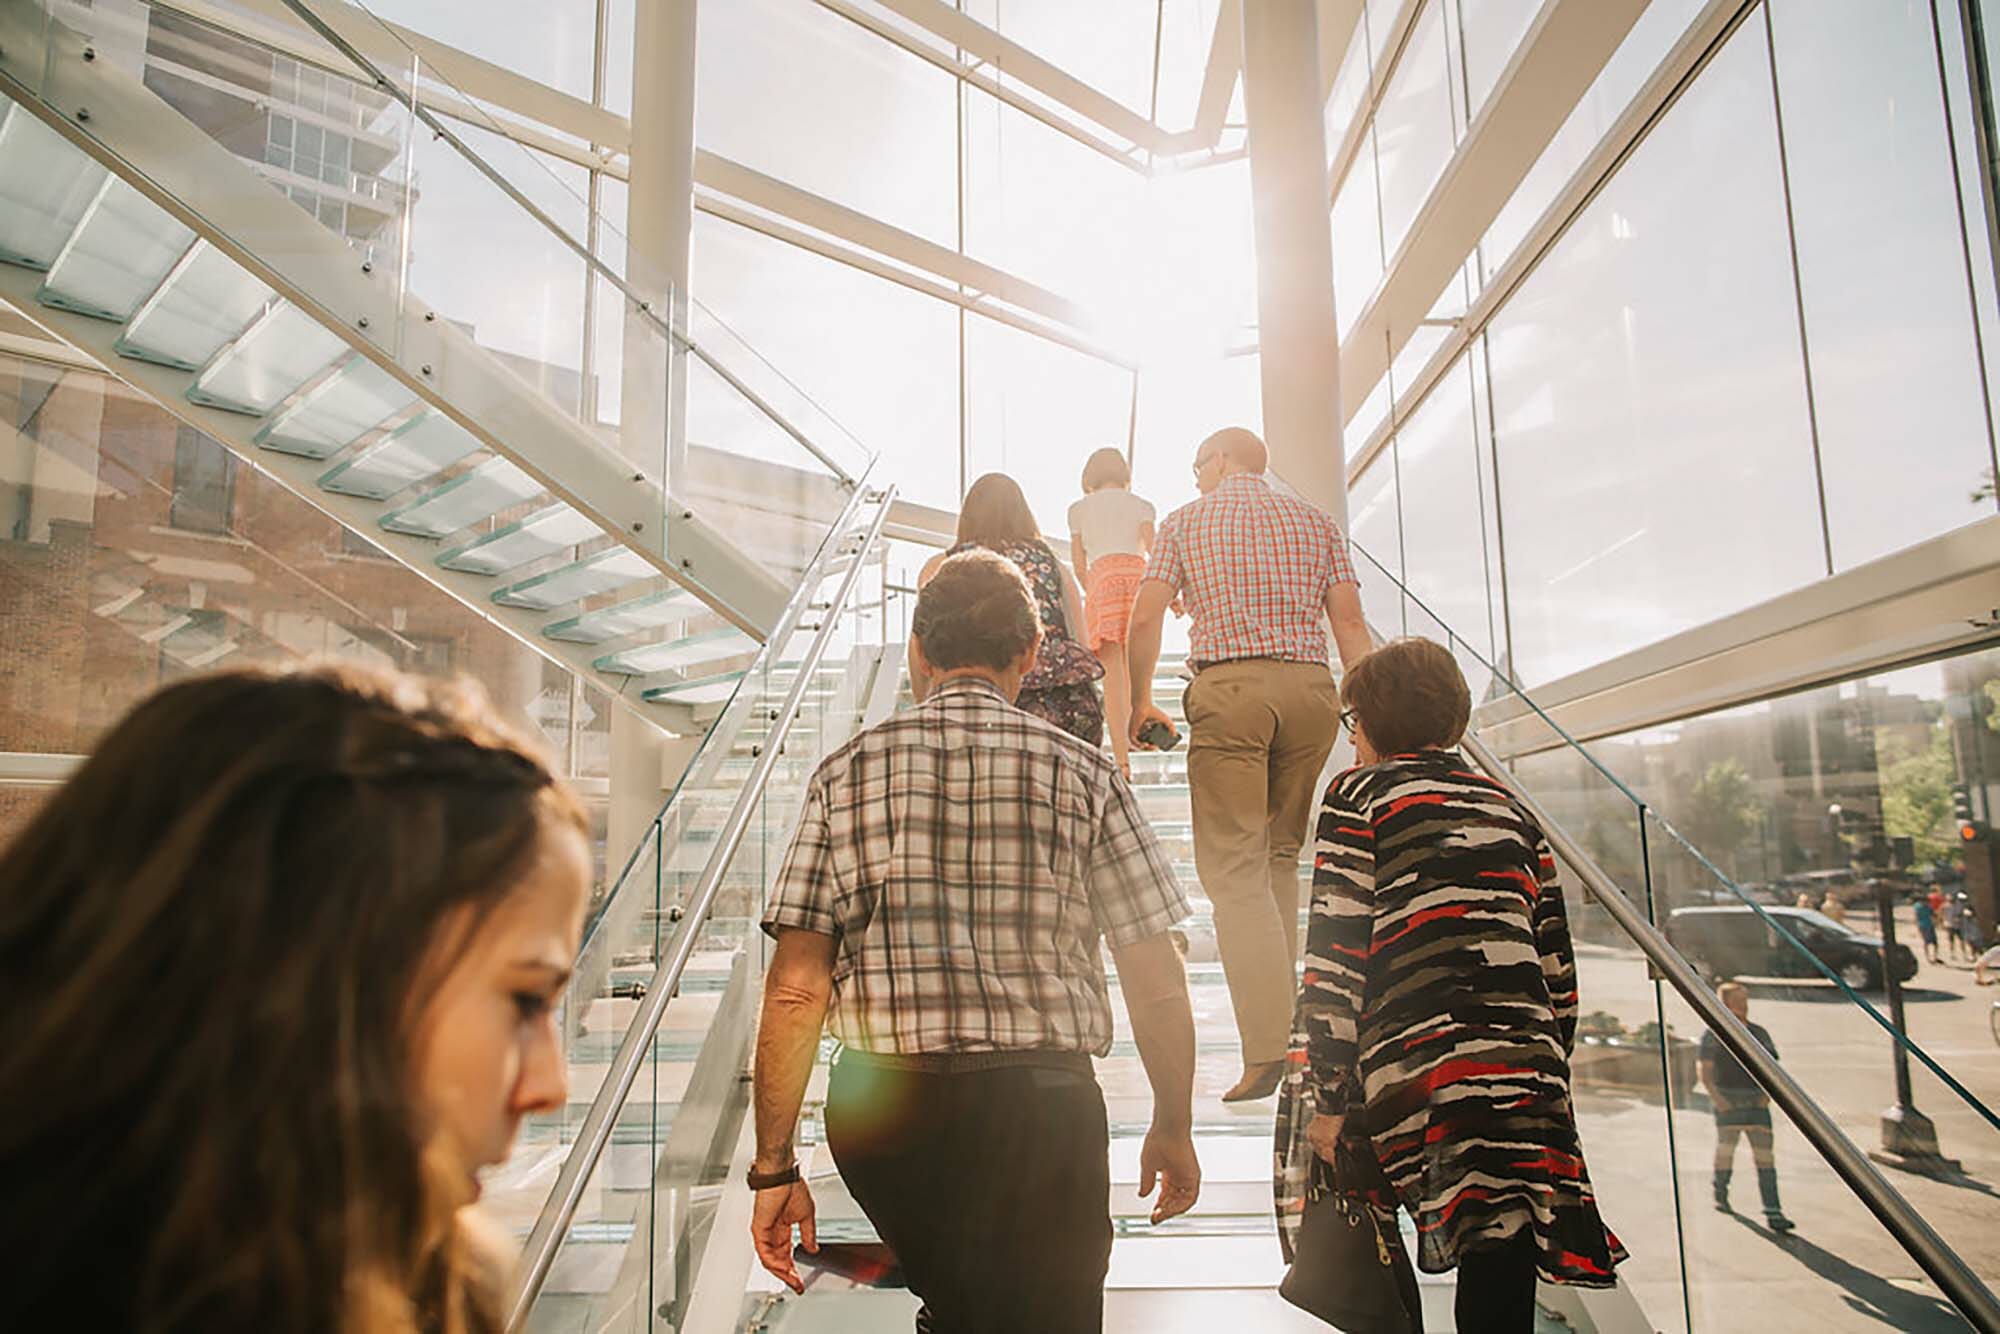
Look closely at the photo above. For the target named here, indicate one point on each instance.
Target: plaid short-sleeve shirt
(968, 859)
(1253, 567)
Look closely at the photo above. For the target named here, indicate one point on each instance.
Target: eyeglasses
(1347, 720)
(1199, 464)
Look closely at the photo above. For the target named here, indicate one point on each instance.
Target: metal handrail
(1974, 1300)
(539, 1254)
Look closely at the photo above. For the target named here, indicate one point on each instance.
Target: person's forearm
(1142, 654)
(1351, 640)
(1163, 1029)
(787, 1041)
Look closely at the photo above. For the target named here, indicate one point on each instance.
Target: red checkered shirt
(1253, 568)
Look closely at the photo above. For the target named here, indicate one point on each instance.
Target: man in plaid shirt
(1262, 574)
(941, 909)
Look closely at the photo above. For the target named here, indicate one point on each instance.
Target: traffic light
(1969, 829)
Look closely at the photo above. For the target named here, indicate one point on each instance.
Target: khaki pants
(1259, 732)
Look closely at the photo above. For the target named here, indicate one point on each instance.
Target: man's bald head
(1239, 448)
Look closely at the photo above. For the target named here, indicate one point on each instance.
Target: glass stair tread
(116, 255)
(280, 351)
(543, 533)
(337, 411)
(45, 187)
(677, 654)
(422, 447)
(625, 618)
(465, 499)
(603, 572)
(202, 303)
(705, 690)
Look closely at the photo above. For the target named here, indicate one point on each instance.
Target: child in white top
(1110, 536)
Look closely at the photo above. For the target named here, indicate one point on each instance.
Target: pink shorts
(1110, 589)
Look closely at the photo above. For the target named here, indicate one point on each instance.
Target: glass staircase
(136, 225)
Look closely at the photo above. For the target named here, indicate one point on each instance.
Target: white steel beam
(735, 181)
(971, 72)
(1703, 35)
(1017, 62)
(1218, 80)
(1931, 599)
(1563, 52)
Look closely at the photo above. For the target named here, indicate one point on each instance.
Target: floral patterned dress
(1062, 687)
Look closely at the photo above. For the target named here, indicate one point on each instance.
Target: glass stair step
(280, 351)
(45, 187)
(677, 654)
(624, 618)
(200, 305)
(543, 533)
(705, 690)
(337, 411)
(467, 498)
(604, 572)
(116, 256)
(422, 447)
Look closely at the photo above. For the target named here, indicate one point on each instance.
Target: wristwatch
(784, 1176)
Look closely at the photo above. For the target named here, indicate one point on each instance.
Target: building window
(204, 483)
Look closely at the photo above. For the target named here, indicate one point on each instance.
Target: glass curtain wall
(1753, 359)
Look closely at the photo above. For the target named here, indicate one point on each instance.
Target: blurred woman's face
(488, 1052)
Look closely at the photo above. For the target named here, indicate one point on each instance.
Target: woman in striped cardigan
(1434, 1025)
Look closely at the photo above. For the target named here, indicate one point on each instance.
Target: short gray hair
(976, 611)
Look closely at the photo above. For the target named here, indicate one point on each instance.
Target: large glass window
(1444, 522)
(1492, 30)
(1375, 528)
(549, 41)
(1108, 43)
(1882, 272)
(1655, 462)
(1413, 126)
(880, 358)
(1036, 410)
(799, 93)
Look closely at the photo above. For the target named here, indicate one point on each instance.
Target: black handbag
(1344, 1270)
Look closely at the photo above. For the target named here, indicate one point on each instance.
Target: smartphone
(1160, 735)
(870, 1263)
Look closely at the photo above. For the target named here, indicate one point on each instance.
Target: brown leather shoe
(1259, 1081)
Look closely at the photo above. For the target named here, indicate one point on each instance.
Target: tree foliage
(1916, 798)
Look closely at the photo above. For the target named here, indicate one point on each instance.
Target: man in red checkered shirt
(1262, 574)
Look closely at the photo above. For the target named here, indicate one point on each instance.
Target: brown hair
(994, 511)
(1106, 467)
(216, 942)
(976, 611)
(1409, 695)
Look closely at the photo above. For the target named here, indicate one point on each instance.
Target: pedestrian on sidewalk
(1927, 929)
(941, 910)
(1437, 1016)
(1110, 535)
(1742, 1109)
(1954, 926)
(1832, 907)
(1261, 575)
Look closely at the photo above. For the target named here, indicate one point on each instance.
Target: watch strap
(784, 1176)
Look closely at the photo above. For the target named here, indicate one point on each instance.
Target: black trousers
(1496, 1288)
(993, 1188)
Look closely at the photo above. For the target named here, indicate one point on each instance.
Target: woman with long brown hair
(277, 975)
(1062, 687)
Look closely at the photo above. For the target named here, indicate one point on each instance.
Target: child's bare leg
(1118, 702)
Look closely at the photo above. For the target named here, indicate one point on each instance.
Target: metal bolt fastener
(427, 368)
(83, 113)
(638, 527)
(430, 315)
(367, 266)
(675, 913)
(90, 53)
(687, 562)
(363, 322)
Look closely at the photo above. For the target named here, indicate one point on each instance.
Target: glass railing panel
(1820, 988)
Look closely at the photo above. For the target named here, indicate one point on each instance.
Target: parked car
(1737, 942)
